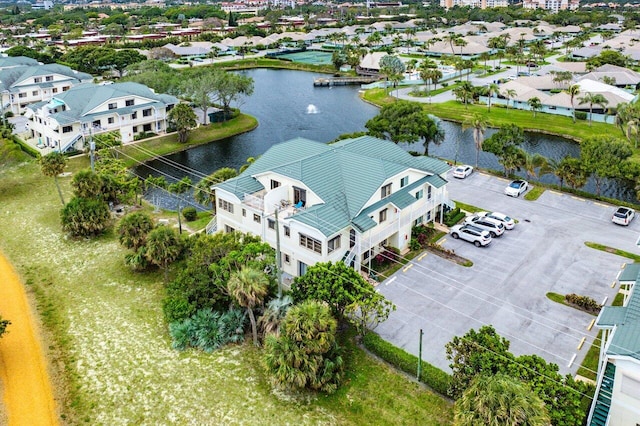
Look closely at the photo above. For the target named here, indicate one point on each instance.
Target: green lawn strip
(436, 236)
(261, 62)
(394, 266)
(204, 217)
(109, 347)
(534, 193)
(468, 207)
(617, 301)
(169, 144)
(612, 250)
(590, 363)
(543, 123)
(557, 297)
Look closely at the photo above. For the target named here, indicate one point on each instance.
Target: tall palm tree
(492, 90)
(52, 165)
(451, 38)
(509, 94)
(430, 76)
(249, 287)
(533, 162)
(573, 91)
(500, 400)
(479, 124)
(593, 99)
(535, 104)
(163, 248)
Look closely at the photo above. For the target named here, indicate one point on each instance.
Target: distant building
(69, 118)
(42, 5)
(553, 5)
(482, 4)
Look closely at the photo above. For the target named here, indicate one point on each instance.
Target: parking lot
(506, 286)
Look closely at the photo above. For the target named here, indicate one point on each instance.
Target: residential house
(618, 76)
(70, 117)
(21, 85)
(617, 397)
(344, 201)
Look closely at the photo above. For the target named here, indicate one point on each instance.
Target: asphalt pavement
(506, 286)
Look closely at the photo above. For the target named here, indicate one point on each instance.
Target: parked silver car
(472, 234)
(507, 221)
(494, 227)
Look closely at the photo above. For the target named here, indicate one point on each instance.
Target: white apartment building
(21, 85)
(554, 5)
(338, 202)
(482, 4)
(70, 117)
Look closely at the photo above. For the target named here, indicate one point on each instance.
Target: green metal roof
(9, 77)
(630, 272)
(13, 61)
(626, 336)
(611, 315)
(345, 175)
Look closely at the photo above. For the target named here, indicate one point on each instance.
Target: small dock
(342, 81)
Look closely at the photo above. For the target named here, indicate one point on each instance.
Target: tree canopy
(505, 144)
(604, 157)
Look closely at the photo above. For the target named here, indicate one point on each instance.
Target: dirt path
(28, 397)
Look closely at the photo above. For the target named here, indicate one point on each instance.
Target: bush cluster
(208, 330)
(585, 303)
(431, 376)
(454, 216)
(190, 214)
(581, 115)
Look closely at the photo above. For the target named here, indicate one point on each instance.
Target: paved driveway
(507, 284)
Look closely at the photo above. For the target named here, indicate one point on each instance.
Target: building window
(34, 93)
(419, 194)
(55, 90)
(22, 95)
(146, 112)
(428, 192)
(135, 129)
(333, 244)
(287, 231)
(67, 129)
(228, 229)
(429, 216)
(382, 216)
(113, 105)
(111, 120)
(48, 78)
(271, 223)
(385, 191)
(244, 213)
(96, 123)
(256, 218)
(37, 80)
(418, 221)
(129, 102)
(225, 205)
(274, 184)
(146, 128)
(134, 115)
(65, 88)
(404, 181)
(310, 243)
(287, 259)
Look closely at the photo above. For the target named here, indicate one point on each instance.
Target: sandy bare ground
(28, 397)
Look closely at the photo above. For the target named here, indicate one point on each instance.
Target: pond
(287, 105)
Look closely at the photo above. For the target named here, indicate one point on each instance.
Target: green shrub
(8, 114)
(585, 303)
(555, 90)
(581, 115)
(431, 376)
(190, 214)
(454, 216)
(444, 84)
(177, 308)
(208, 330)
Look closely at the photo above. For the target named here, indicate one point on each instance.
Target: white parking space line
(577, 198)
(600, 204)
(390, 280)
(554, 192)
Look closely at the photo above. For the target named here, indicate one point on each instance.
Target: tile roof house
(23, 84)
(70, 117)
(617, 397)
(344, 201)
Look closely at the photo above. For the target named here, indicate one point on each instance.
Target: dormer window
(274, 184)
(113, 105)
(37, 80)
(49, 78)
(129, 102)
(404, 181)
(385, 191)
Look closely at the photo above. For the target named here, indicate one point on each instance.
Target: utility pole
(278, 257)
(420, 356)
(92, 153)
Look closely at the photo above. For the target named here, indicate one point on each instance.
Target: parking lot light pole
(420, 356)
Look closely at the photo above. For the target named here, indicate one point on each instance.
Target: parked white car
(517, 187)
(492, 226)
(623, 216)
(472, 234)
(462, 171)
(508, 222)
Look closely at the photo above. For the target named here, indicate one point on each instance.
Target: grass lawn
(110, 351)
(204, 134)
(632, 256)
(544, 123)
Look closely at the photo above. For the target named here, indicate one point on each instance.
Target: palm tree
(573, 91)
(451, 38)
(532, 162)
(52, 165)
(500, 400)
(460, 42)
(479, 124)
(163, 248)
(249, 287)
(491, 90)
(430, 76)
(535, 104)
(593, 99)
(133, 230)
(509, 94)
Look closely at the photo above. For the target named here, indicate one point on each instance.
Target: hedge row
(453, 217)
(431, 376)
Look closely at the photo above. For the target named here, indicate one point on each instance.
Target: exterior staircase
(600, 413)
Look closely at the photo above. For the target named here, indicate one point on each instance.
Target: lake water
(287, 105)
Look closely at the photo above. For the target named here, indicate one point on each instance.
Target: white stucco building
(338, 202)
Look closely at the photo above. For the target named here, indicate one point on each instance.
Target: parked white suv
(494, 227)
(472, 234)
(508, 222)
